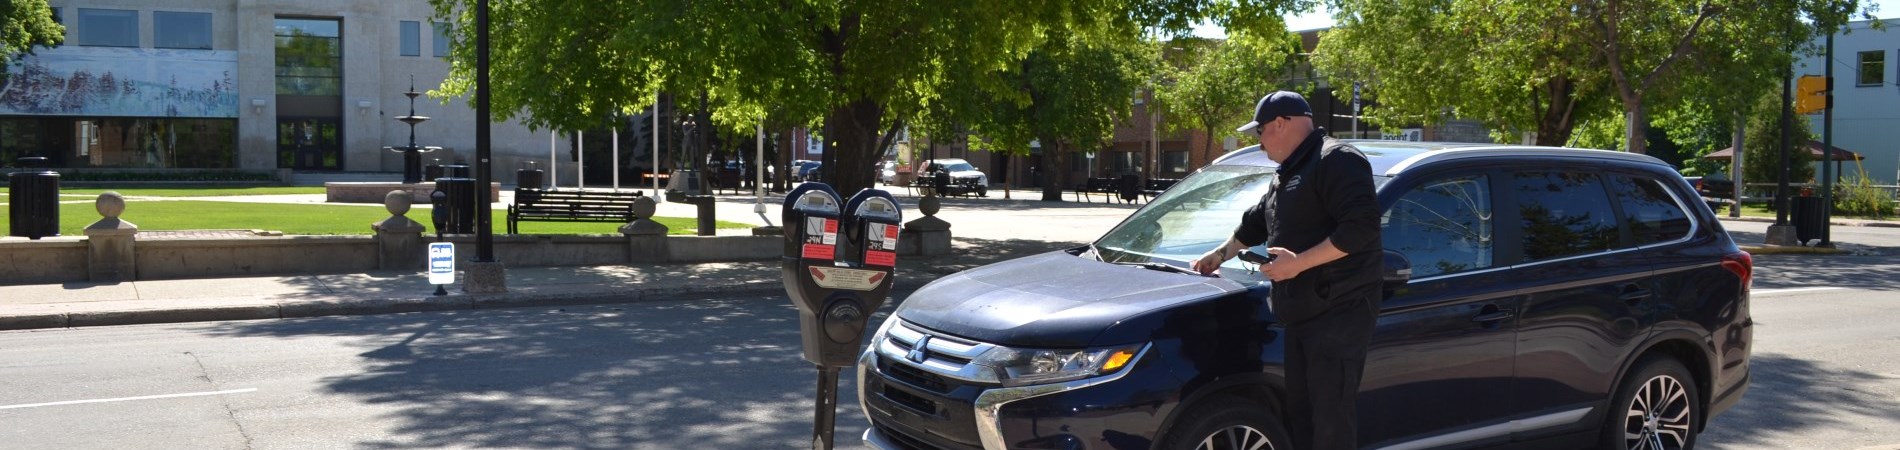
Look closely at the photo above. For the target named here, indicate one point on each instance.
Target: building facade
(1866, 99)
(306, 85)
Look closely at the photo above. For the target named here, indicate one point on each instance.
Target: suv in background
(962, 178)
(1534, 298)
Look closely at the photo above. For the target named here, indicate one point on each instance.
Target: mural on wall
(123, 82)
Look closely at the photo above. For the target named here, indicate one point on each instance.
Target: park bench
(1108, 186)
(555, 205)
(1155, 186)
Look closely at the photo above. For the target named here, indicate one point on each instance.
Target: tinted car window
(1443, 226)
(1650, 212)
(1564, 214)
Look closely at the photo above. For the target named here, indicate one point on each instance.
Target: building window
(411, 38)
(1174, 162)
(442, 39)
(309, 57)
(57, 18)
(1873, 68)
(121, 142)
(108, 27)
(181, 30)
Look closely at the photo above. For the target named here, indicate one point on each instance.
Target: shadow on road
(1791, 396)
(1855, 272)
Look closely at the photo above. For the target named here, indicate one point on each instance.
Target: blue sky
(1889, 9)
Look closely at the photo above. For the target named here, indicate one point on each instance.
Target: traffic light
(1813, 94)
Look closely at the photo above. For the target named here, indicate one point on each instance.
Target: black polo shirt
(1323, 190)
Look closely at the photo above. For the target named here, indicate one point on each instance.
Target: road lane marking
(127, 399)
(1790, 290)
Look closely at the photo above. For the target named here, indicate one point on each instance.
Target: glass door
(310, 143)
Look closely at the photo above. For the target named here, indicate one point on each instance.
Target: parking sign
(441, 263)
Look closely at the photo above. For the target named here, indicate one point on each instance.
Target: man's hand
(1285, 264)
(1210, 261)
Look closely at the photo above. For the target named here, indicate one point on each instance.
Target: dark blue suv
(1534, 298)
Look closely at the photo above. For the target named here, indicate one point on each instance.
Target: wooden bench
(1154, 187)
(555, 205)
(1108, 186)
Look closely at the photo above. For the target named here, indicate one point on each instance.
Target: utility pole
(1827, 148)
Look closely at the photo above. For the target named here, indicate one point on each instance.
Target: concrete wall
(201, 258)
(724, 248)
(1864, 116)
(50, 260)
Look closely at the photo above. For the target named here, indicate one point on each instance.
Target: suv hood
(1052, 300)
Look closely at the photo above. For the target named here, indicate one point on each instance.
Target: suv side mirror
(1397, 272)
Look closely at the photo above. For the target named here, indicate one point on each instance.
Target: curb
(1790, 250)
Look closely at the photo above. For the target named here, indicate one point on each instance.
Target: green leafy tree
(1551, 65)
(1067, 95)
(862, 68)
(25, 24)
(1221, 81)
(1761, 155)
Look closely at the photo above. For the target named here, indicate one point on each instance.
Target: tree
(1761, 152)
(866, 67)
(1550, 65)
(24, 25)
(1222, 80)
(1068, 94)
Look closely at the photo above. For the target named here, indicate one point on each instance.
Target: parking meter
(837, 267)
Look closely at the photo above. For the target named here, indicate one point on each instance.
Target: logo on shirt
(1291, 184)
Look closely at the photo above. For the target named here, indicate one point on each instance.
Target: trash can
(431, 172)
(1129, 186)
(33, 201)
(529, 179)
(707, 224)
(460, 204)
(457, 171)
(1808, 218)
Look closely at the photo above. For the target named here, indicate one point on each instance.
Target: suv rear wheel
(1657, 408)
(1229, 424)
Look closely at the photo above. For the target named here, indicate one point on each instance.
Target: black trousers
(1325, 357)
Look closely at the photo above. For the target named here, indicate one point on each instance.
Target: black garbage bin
(529, 179)
(431, 172)
(1808, 218)
(33, 201)
(457, 171)
(460, 204)
(707, 223)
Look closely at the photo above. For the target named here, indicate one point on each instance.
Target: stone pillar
(483, 277)
(111, 243)
(927, 236)
(398, 239)
(646, 239)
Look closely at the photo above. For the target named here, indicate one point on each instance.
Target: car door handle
(1633, 293)
(1494, 314)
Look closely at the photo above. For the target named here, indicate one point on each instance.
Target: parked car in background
(1533, 298)
(808, 171)
(887, 172)
(1715, 190)
(963, 177)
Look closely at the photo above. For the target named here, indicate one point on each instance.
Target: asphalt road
(726, 373)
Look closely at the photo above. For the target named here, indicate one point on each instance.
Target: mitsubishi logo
(919, 351)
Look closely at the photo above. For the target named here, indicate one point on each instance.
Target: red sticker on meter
(819, 251)
(877, 258)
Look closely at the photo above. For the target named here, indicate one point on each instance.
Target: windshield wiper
(1164, 267)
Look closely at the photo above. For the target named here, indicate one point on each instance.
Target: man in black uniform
(1321, 223)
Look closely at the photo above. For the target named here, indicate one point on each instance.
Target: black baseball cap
(1276, 105)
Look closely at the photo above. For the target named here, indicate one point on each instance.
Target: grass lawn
(197, 192)
(307, 219)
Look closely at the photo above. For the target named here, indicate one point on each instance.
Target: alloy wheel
(1237, 437)
(1659, 416)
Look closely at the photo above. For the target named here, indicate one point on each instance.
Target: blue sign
(441, 263)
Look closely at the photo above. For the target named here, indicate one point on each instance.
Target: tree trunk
(1557, 124)
(1635, 135)
(854, 127)
(1053, 170)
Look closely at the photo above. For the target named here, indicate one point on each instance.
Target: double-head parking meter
(837, 268)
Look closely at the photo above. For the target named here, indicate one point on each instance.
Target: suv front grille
(914, 376)
(942, 364)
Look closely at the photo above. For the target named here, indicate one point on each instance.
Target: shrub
(1857, 196)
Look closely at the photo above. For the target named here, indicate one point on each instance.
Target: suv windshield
(959, 167)
(1190, 218)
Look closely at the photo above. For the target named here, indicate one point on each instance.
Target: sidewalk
(986, 230)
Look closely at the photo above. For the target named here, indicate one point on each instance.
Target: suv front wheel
(1656, 408)
(1229, 424)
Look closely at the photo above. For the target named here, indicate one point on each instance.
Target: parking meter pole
(826, 423)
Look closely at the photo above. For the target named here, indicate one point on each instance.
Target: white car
(887, 172)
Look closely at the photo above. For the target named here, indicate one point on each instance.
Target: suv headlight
(1022, 367)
